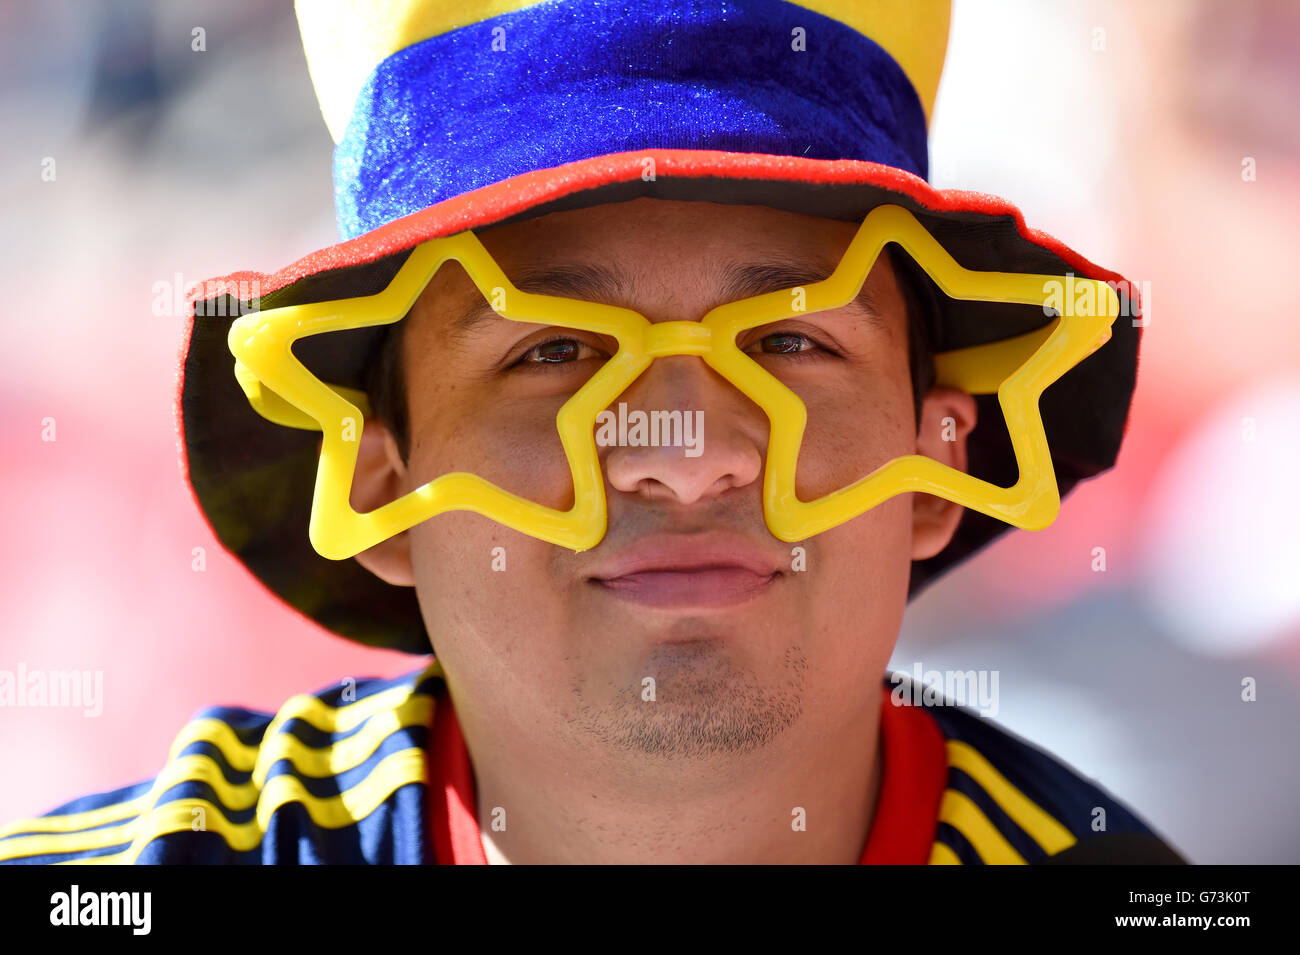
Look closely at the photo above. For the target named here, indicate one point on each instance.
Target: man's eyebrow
(747, 280)
(593, 283)
(597, 283)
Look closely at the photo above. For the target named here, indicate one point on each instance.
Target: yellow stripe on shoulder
(346, 754)
(74, 820)
(942, 854)
(139, 820)
(397, 770)
(959, 811)
(1045, 830)
(334, 812)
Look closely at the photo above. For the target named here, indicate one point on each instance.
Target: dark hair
(386, 387)
(921, 302)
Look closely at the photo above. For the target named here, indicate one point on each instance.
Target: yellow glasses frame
(282, 390)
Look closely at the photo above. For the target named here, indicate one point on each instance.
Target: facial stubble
(702, 703)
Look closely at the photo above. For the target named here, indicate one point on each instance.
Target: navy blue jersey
(346, 776)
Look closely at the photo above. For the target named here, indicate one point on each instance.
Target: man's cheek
(454, 547)
(531, 463)
(861, 559)
(520, 454)
(840, 450)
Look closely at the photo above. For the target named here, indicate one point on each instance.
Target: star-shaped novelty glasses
(282, 390)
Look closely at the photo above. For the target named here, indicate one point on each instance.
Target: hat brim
(253, 480)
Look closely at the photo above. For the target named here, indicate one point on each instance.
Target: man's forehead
(625, 284)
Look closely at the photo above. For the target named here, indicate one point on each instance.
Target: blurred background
(1159, 140)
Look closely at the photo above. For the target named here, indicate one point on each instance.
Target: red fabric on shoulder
(453, 813)
(914, 772)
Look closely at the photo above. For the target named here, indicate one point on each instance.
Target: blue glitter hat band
(560, 82)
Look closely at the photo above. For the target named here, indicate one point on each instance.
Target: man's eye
(557, 351)
(784, 343)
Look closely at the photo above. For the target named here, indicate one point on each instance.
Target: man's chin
(691, 695)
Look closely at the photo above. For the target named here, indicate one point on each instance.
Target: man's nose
(723, 434)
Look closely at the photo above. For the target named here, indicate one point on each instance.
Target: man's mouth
(696, 571)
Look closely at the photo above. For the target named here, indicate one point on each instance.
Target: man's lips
(688, 571)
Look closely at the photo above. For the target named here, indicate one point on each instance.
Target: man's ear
(380, 478)
(947, 418)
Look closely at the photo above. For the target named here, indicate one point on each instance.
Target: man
(642, 654)
(755, 665)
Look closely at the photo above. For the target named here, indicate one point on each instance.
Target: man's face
(742, 635)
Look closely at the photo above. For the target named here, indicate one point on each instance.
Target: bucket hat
(456, 117)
